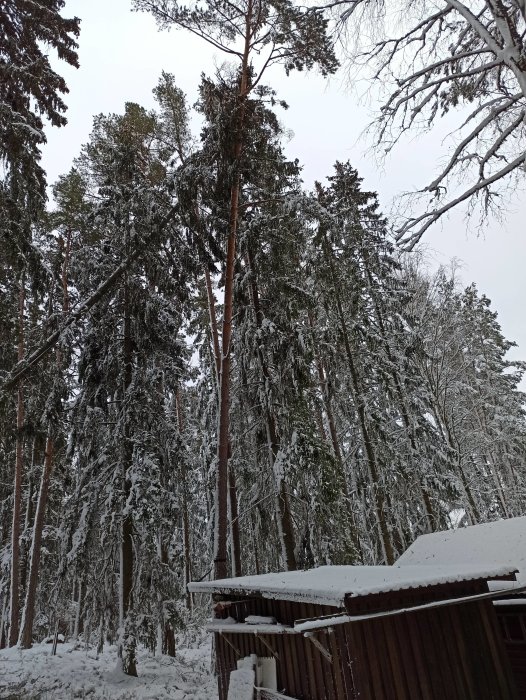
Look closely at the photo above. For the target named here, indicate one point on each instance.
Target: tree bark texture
(235, 538)
(223, 447)
(17, 487)
(26, 633)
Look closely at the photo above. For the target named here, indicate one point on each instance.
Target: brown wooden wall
(454, 653)
(512, 622)
(302, 670)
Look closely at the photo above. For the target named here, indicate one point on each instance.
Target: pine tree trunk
(223, 447)
(169, 640)
(26, 632)
(221, 496)
(255, 541)
(166, 634)
(235, 538)
(17, 488)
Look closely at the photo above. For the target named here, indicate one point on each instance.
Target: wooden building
(502, 542)
(367, 633)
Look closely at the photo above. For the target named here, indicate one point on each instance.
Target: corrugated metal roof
(328, 585)
(502, 542)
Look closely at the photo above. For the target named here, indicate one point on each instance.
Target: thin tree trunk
(472, 512)
(65, 272)
(26, 633)
(166, 634)
(213, 324)
(28, 518)
(3, 620)
(374, 472)
(223, 446)
(319, 420)
(126, 558)
(322, 381)
(235, 537)
(184, 507)
(283, 512)
(17, 488)
(255, 540)
(77, 628)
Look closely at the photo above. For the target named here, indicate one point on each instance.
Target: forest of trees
(208, 370)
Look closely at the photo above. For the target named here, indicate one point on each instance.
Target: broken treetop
(488, 544)
(329, 585)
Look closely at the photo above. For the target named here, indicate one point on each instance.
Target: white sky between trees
(122, 55)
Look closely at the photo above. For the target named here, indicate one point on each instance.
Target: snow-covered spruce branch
(24, 366)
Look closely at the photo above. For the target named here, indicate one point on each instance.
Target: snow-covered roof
(328, 585)
(498, 543)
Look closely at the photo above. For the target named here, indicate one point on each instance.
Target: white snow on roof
(502, 542)
(328, 585)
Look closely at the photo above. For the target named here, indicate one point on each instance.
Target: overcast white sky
(122, 55)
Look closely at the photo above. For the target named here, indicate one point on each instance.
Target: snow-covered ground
(77, 673)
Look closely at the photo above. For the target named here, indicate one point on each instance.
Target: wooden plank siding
(511, 621)
(454, 652)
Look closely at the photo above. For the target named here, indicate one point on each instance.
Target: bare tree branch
(441, 58)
